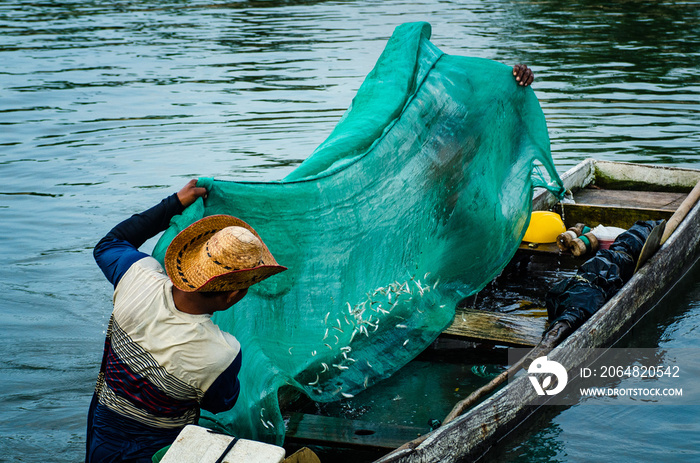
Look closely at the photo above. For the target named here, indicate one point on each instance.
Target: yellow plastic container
(544, 227)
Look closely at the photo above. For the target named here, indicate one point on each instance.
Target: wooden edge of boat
(471, 434)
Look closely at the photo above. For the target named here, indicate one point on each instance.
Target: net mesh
(417, 199)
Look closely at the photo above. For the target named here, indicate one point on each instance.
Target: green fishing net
(417, 199)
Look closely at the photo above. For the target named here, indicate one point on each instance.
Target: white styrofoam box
(195, 444)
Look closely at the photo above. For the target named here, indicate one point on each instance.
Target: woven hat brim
(182, 259)
(240, 279)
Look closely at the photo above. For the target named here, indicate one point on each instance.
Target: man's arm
(223, 392)
(118, 250)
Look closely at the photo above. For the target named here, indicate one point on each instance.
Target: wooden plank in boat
(630, 198)
(310, 429)
(610, 216)
(620, 208)
(506, 329)
(538, 248)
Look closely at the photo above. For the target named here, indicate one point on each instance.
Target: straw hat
(218, 253)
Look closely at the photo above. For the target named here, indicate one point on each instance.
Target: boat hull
(471, 435)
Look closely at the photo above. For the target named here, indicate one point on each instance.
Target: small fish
(271, 424)
(346, 349)
(420, 288)
(401, 326)
(325, 319)
(313, 353)
(425, 277)
(290, 350)
(264, 424)
(352, 336)
(325, 335)
(336, 328)
(337, 340)
(349, 307)
(325, 367)
(369, 364)
(366, 381)
(328, 346)
(346, 395)
(340, 367)
(315, 382)
(405, 342)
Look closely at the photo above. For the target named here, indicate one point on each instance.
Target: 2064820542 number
(639, 371)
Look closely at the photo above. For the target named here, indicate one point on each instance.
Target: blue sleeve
(223, 392)
(118, 250)
(115, 257)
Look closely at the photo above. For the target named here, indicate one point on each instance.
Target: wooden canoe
(609, 193)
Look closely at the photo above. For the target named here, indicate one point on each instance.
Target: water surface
(106, 107)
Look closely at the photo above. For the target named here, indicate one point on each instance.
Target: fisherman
(164, 358)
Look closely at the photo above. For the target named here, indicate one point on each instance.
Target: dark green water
(105, 107)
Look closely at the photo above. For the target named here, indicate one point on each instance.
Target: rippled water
(107, 106)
